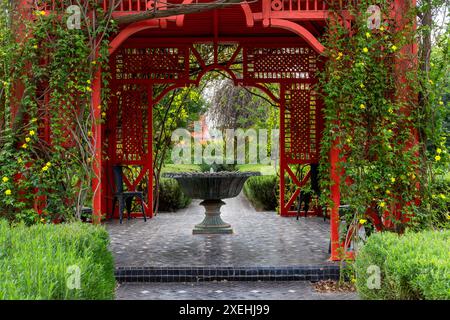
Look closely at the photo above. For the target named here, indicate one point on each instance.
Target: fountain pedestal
(212, 187)
(212, 223)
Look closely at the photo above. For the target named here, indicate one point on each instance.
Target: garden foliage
(42, 262)
(413, 266)
(262, 192)
(171, 197)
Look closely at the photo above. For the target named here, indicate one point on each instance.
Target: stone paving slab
(294, 290)
(259, 239)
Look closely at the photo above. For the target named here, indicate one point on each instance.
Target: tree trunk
(176, 10)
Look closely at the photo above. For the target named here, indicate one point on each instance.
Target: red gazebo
(274, 42)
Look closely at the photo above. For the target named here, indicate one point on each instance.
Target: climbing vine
(47, 143)
(373, 115)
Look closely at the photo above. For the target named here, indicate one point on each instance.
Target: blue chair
(125, 198)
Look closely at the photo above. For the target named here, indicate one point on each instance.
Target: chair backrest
(118, 178)
(315, 178)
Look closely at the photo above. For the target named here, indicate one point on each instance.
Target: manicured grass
(266, 170)
(180, 168)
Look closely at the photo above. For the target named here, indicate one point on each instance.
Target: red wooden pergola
(274, 42)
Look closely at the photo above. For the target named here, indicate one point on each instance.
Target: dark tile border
(199, 274)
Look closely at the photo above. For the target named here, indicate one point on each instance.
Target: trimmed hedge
(35, 262)
(261, 192)
(413, 266)
(171, 197)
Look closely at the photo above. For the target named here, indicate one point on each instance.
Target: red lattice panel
(156, 64)
(132, 129)
(270, 64)
(300, 119)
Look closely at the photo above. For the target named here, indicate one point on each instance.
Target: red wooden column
(97, 201)
(151, 103)
(336, 198)
(405, 62)
(24, 13)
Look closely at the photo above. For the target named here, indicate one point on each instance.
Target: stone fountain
(212, 188)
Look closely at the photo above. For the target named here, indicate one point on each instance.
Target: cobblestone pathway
(260, 239)
(292, 290)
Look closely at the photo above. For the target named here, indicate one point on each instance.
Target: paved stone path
(293, 290)
(260, 239)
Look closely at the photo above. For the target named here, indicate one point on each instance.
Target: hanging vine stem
(373, 120)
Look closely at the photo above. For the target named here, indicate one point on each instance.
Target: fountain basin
(212, 188)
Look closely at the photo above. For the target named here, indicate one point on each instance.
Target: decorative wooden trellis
(137, 69)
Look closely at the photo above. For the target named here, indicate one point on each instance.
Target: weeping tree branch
(176, 9)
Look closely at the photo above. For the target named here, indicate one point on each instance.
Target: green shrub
(171, 197)
(262, 192)
(413, 266)
(35, 261)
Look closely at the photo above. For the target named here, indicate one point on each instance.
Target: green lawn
(265, 170)
(180, 168)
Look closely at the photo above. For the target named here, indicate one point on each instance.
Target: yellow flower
(19, 160)
(443, 197)
(35, 46)
(437, 158)
(88, 89)
(5, 179)
(362, 221)
(392, 180)
(44, 168)
(94, 62)
(8, 192)
(362, 85)
(441, 103)
(362, 106)
(103, 114)
(431, 81)
(391, 110)
(438, 150)
(27, 139)
(31, 133)
(24, 146)
(389, 131)
(48, 164)
(367, 35)
(88, 82)
(388, 191)
(382, 204)
(394, 47)
(339, 56)
(89, 133)
(365, 50)
(381, 28)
